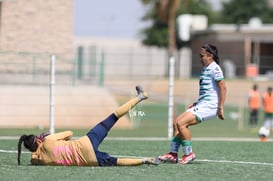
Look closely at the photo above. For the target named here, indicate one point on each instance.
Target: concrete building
(37, 26)
(247, 48)
(31, 31)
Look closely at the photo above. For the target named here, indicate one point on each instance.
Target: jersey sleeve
(218, 73)
(65, 135)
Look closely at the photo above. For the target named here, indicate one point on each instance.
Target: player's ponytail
(29, 143)
(22, 138)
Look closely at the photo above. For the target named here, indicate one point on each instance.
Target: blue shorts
(97, 135)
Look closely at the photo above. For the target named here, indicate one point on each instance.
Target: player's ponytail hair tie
(212, 50)
(42, 136)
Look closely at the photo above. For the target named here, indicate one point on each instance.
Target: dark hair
(212, 50)
(29, 143)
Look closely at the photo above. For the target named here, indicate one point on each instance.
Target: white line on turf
(166, 139)
(236, 162)
(217, 161)
(194, 139)
(200, 160)
(11, 151)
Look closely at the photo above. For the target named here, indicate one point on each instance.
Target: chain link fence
(115, 72)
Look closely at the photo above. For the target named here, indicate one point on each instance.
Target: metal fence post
(52, 93)
(101, 76)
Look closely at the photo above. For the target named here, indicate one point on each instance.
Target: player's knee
(181, 124)
(185, 123)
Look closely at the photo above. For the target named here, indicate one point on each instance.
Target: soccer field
(223, 153)
(216, 160)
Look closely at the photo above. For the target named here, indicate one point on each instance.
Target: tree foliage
(240, 11)
(157, 33)
(197, 7)
(233, 11)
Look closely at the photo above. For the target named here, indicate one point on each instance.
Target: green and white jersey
(208, 89)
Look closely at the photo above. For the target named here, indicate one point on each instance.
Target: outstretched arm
(137, 161)
(65, 135)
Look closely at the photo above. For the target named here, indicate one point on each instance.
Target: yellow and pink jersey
(59, 149)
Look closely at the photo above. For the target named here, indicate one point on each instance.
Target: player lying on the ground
(59, 149)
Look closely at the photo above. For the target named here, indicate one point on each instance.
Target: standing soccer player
(212, 94)
(267, 100)
(254, 105)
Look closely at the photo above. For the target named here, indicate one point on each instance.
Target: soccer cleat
(187, 158)
(169, 157)
(151, 161)
(141, 94)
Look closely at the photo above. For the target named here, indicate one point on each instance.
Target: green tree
(164, 13)
(240, 11)
(198, 7)
(157, 34)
